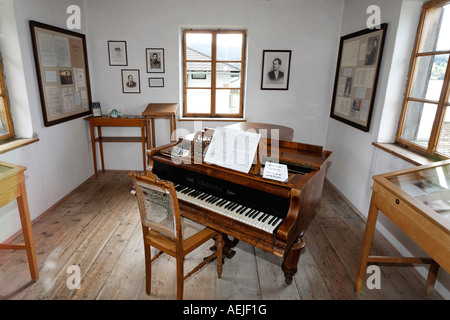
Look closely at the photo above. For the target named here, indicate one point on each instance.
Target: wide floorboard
(97, 228)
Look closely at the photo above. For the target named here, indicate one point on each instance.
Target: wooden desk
(417, 201)
(12, 186)
(107, 121)
(159, 111)
(265, 129)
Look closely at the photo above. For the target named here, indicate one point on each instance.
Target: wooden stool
(159, 111)
(12, 184)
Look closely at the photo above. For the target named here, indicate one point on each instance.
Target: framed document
(357, 76)
(62, 72)
(156, 82)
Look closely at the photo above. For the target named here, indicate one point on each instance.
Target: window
(6, 125)
(425, 120)
(214, 64)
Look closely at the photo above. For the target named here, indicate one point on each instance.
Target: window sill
(213, 119)
(14, 143)
(405, 153)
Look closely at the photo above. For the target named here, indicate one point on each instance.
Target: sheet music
(233, 149)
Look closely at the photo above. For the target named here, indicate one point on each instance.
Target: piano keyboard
(234, 210)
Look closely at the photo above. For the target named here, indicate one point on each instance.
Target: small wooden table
(159, 111)
(12, 186)
(107, 121)
(265, 129)
(417, 201)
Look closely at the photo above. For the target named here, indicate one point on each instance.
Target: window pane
(3, 118)
(198, 46)
(198, 100)
(228, 75)
(435, 34)
(429, 76)
(229, 47)
(444, 139)
(199, 74)
(228, 101)
(419, 122)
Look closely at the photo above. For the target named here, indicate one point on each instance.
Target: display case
(417, 200)
(12, 186)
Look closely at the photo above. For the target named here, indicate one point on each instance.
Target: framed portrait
(62, 71)
(276, 69)
(96, 109)
(131, 81)
(356, 78)
(156, 82)
(155, 60)
(117, 51)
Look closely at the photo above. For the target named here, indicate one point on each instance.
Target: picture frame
(356, 79)
(276, 69)
(117, 53)
(62, 71)
(131, 81)
(156, 82)
(155, 60)
(96, 109)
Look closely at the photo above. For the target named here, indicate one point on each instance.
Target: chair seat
(167, 245)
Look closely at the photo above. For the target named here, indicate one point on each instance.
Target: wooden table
(12, 186)
(159, 111)
(107, 121)
(265, 129)
(417, 201)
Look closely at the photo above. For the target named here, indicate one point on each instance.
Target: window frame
(212, 114)
(441, 104)
(5, 99)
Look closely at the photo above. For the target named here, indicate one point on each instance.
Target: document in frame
(233, 149)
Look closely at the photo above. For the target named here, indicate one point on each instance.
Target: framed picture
(155, 60)
(156, 82)
(117, 51)
(276, 69)
(96, 109)
(62, 71)
(131, 81)
(356, 79)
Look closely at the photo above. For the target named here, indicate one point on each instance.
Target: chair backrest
(158, 204)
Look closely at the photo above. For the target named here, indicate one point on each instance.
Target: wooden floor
(98, 229)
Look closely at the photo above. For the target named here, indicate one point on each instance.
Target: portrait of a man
(276, 75)
(130, 81)
(276, 69)
(155, 60)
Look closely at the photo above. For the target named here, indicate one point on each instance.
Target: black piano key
(204, 196)
(235, 206)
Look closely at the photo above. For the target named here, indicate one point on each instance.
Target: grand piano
(268, 214)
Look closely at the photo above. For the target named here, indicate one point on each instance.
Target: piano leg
(290, 261)
(227, 251)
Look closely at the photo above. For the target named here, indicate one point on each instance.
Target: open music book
(232, 149)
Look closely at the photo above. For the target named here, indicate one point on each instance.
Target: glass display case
(430, 186)
(417, 200)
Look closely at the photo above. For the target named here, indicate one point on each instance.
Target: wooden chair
(165, 229)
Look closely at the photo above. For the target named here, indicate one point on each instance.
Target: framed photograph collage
(356, 78)
(62, 72)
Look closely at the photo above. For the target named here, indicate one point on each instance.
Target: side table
(107, 121)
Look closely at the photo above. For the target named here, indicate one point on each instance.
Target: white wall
(310, 28)
(60, 161)
(355, 160)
